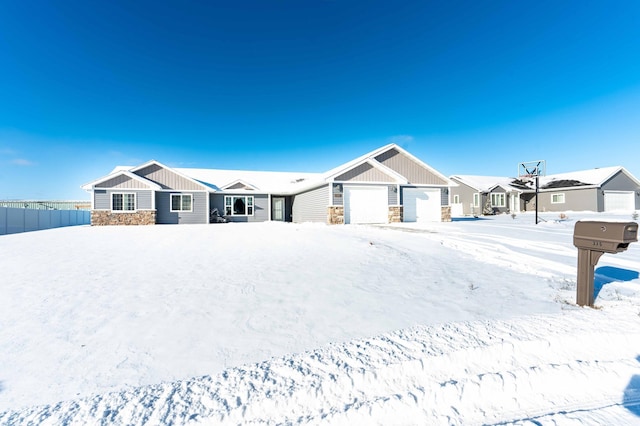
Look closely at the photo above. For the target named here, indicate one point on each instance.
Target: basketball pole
(537, 182)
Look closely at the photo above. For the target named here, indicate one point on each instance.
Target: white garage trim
(619, 201)
(366, 204)
(421, 205)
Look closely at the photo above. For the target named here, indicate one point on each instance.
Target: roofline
(157, 163)
(91, 185)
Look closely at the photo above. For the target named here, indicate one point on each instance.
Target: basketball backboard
(531, 169)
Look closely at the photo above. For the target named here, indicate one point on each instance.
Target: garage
(366, 204)
(619, 201)
(421, 205)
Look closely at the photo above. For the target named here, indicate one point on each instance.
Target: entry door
(277, 212)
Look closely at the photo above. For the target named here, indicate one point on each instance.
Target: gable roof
(370, 158)
(116, 173)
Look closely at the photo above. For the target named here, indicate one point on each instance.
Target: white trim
(135, 202)
(244, 183)
(501, 195)
(246, 205)
(92, 185)
(559, 195)
(180, 194)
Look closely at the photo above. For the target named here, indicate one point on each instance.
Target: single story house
(386, 185)
(482, 195)
(606, 189)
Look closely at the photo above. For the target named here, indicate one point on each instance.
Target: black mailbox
(593, 239)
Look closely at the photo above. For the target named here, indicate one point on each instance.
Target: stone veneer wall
(107, 217)
(445, 216)
(335, 215)
(395, 214)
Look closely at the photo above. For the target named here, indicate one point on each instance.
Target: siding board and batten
(122, 181)
(407, 167)
(167, 179)
(364, 173)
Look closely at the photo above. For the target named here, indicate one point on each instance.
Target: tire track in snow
(456, 373)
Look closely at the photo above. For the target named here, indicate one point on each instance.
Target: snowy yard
(469, 322)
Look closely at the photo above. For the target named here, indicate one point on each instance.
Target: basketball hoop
(530, 171)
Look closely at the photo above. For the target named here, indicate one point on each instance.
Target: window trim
(123, 210)
(559, 195)
(500, 195)
(476, 199)
(247, 205)
(179, 194)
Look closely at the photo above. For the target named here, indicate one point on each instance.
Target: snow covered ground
(468, 322)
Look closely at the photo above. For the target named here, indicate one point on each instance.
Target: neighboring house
(607, 189)
(386, 185)
(481, 195)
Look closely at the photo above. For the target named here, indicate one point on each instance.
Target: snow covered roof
(255, 181)
(583, 178)
(592, 178)
(488, 183)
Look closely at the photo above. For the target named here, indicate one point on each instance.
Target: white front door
(277, 212)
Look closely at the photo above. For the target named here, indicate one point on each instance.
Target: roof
(488, 183)
(591, 178)
(284, 183)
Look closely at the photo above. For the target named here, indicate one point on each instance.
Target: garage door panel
(366, 204)
(619, 201)
(421, 205)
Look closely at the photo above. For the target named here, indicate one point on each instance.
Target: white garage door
(619, 201)
(366, 204)
(421, 205)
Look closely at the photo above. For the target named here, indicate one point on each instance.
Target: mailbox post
(593, 239)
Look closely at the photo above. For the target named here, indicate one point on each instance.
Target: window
(181, 202)
(456, 199)
(557, 198)
(238, 205)
(123, 202)
(476, 200)
(498, 200)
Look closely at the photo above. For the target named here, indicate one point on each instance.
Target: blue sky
(470, 87)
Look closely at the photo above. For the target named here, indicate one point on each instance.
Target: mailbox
(607, 237)
(593, 239)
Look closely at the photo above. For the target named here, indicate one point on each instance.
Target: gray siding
(393, 197)
(260, 207)
(199, 213)
(574, 200)
(168, 179)
(337, 194)
(122, 181)
(364, 173)
(407, 167)
(465, 192)
(311, 206)
(102, 199)
(620, 182)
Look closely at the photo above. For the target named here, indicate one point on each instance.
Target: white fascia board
(226, 187)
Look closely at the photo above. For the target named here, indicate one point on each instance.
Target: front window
(181, 202)
(456, 199)
(235, 205)
(498, 200)
(123, 202)
(476, 200)
(557, 198)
